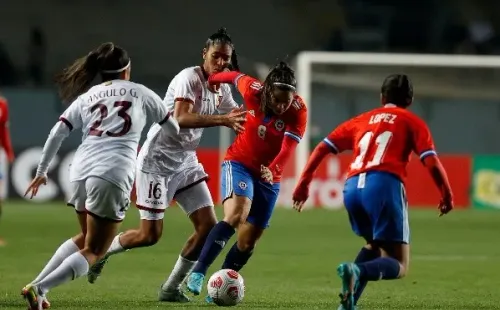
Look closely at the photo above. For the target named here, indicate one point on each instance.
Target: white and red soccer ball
(226, 288)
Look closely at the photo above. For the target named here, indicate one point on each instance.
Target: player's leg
(196, 201)
(391, 232)
(151, 201)
(265, 198)
(72, 245)
(106, 206)
(361, 226)
(385, 201)
(237, 190)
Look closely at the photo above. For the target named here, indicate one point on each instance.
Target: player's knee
(233, 219)
(151, 232)
(203, 221)
(79, 240)
(92, 253)
(203, 229)
(151, 237)
(236, 210)
(246, 245)
(403, 270)
(236, 216)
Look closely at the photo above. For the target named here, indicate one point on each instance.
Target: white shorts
(187, 187)
(100, 198)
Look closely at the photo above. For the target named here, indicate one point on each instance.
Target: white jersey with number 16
(112, 116)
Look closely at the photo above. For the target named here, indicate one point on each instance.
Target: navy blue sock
(236, 259)
(386, 268)
(365, 255)
(216, 240)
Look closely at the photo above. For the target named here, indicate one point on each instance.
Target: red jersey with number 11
(261, 141)
(382, 140)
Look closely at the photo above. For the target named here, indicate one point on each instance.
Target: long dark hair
(107, 60)
(280, 77)
(222, 37)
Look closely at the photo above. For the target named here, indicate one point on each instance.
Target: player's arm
(159, 112)
(187, 118)
(293, 135)
(339, 140)
(4, 130)
(71, 119)
(246, 85)
(424, 148)
(184, 101)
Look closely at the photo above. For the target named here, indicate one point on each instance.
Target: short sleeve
(341, 138)
(185, 87)
(297, 127)
(72, 117)
(423, 144)
(226, 100)
(155, 109)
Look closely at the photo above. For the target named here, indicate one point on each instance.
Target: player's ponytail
(280, 77)
(108, 60)
(397, 89)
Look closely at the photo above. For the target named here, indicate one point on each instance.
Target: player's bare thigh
(236, 210)
(77, 202)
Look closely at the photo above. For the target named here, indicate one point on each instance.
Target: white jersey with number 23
(111, 116)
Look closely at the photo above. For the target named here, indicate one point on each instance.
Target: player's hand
(235, 119)
(266, 174)
(445, 205)
(34, 185)
(300, 195)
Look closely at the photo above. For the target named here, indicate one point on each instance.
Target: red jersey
(261, 141)
(4, 129)
(382, 140)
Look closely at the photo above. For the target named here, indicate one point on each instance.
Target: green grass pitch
(455, 262)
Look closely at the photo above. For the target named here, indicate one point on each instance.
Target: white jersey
(111, 116)
(164, 154)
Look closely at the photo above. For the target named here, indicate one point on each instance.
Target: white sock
(115, 246)
(181, 270)
(71, 268)
(63, 252)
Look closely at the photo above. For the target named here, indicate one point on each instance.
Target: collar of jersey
(390, 105)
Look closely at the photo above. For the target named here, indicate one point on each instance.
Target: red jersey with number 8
(261, 141)
(382, 140)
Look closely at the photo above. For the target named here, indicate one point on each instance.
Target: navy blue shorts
(237, 179)
(377, 207)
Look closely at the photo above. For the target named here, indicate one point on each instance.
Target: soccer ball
(226, 288)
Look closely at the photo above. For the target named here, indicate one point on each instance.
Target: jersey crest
(279, 125)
